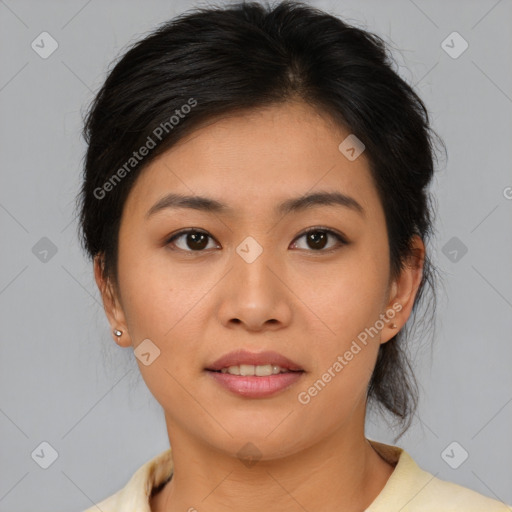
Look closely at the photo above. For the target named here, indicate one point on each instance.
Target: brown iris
(196, 240)
(318, 239)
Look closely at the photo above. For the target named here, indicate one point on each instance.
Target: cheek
(156, 295)
(347, 296)
(161, 305)
(345, 354)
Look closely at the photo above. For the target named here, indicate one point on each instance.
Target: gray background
(64, 381)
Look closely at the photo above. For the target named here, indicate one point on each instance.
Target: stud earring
(118, 333)
(393, 326)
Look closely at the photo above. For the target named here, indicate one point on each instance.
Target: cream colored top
(408, 489)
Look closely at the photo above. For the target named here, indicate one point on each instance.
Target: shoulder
(441, 495)
(412, 489)
(110, 504)
(136, 493)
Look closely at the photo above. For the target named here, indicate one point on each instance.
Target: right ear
(111, 303)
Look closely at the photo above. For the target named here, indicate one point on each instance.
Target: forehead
(253, 160)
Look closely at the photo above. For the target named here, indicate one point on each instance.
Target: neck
(342, 472)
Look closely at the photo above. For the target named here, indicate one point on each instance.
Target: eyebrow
(297, 204)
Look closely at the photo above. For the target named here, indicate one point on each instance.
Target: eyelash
(340, 238)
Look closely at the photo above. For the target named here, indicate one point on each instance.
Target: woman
(255, 200)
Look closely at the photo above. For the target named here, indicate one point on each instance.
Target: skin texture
(306, 304)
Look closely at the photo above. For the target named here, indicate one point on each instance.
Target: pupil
(318, 238)
(199, 239)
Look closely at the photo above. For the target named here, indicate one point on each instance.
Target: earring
(393, 326)
(118, 333)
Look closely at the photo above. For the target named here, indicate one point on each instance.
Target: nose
(255, 295)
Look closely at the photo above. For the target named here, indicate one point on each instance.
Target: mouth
(255, 375)
(249, 370)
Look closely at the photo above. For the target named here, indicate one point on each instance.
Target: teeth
(250, 369)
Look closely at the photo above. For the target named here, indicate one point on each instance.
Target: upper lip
(239, 357)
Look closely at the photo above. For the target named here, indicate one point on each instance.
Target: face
(249, 277)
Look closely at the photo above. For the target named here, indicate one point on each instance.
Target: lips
(243, 357)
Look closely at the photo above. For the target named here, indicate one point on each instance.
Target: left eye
(197, 241)
(317, 238)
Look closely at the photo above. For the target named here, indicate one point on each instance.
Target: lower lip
(256, 387)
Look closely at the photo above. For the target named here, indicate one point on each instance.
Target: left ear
(404, 288)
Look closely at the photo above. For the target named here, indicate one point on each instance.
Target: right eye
(192, 240)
